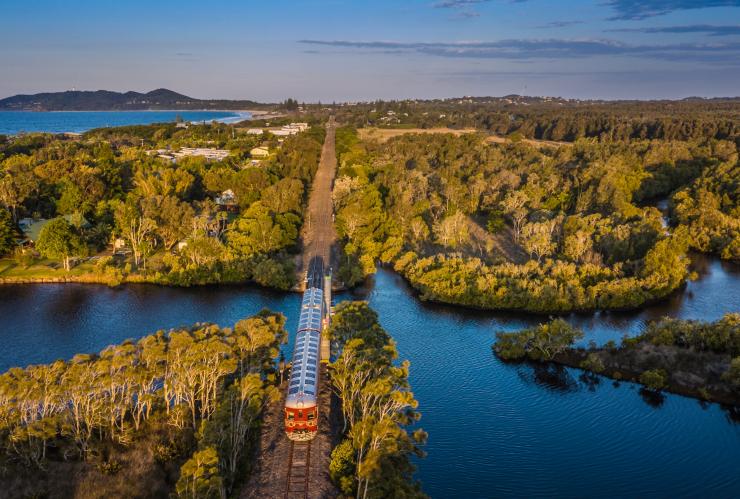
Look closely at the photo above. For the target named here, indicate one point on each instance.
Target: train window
(311, 416)
(290, 415)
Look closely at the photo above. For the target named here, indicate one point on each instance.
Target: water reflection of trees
(652, 398)
(550, 376)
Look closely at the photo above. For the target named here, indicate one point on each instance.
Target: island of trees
(173, 413)
(692, 358)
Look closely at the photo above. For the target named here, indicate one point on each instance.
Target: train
(301, 403)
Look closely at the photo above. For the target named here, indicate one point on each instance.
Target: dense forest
(174, 413)
(512, 226)
(373, 459)
(559, 119)
(109, 186)
(699, 359)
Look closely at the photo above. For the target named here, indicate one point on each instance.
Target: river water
(494, 429)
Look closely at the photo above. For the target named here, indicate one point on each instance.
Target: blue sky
(359, 50)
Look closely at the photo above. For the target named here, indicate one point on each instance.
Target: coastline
(17, 129)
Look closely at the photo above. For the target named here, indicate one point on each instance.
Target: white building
(259, 152)
(254, 131)
(208, 153)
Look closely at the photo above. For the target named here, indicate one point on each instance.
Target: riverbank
(690, 358)
(96, 270)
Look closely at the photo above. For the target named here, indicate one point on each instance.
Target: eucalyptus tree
(59, 239)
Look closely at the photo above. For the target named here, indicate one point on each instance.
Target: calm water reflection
(495, 429)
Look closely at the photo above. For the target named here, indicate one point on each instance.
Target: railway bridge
(300, 469)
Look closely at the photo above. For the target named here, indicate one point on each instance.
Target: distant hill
(104, 100)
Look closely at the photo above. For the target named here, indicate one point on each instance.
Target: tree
(593, 363)
(256, 231)
(514, 206)
(7, 232)
(174, 218)
(17, 182)
(537, 239)
(59, 240)
(576, 245)
(654, 379)
(452, 231)
(541, 342)
(283, 196)
(133, 226)
(199, 476)
(203, 250)
(495, 221)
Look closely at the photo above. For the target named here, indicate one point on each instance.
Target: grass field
(42, 269)
(384, 134)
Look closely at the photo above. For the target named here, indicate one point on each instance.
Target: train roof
(303, 383)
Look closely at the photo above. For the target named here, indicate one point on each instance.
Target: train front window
(290, 416)
(311, 416)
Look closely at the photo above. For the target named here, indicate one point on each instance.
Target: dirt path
(318, 234)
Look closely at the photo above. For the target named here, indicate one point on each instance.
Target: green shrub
(654, 379)
(593, 363)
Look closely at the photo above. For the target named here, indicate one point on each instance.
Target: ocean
(15, 122)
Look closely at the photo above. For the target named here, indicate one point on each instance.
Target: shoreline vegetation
(174, 413)
(373, 459)
(691, 358)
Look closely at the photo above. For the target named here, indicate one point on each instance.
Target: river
(494, 429)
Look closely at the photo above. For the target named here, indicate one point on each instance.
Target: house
(227, 201)
(290, 129)
(259, 152)
(254, 131)
(281, 133)
(210, 154)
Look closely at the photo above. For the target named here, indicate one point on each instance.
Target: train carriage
(301, 406)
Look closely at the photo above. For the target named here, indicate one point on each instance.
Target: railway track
(298, 467)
